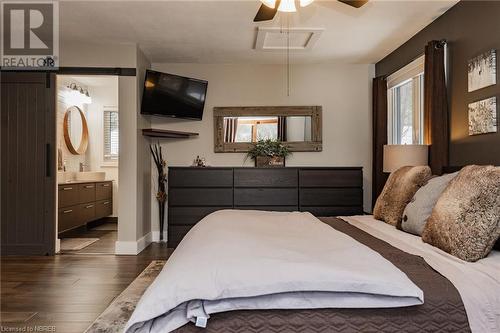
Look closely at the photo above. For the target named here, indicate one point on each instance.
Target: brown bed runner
(442, 311)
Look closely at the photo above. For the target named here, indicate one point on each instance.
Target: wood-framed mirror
(76, 132)
(238, 128)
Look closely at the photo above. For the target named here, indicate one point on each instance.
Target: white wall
(77, 54)
(344, 92)
(143, 157)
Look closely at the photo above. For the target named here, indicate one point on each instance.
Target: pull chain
(287, 55)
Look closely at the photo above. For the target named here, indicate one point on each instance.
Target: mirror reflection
(75, 126)
(75, 130)
(255, 128)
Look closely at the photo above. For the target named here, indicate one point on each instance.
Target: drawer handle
(105, 185)
(67, 188)
(89, 206)
(67, 211)
(105, 202)
(89, 186)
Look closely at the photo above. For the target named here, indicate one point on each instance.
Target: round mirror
(76, 132)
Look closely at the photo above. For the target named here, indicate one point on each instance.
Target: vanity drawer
(103, 208)
(68, 195)
(69, 218)
(103, 190)
(87, 192)
(87, 212)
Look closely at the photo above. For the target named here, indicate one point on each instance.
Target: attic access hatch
(275, 38)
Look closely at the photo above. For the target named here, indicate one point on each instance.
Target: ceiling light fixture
(287, 6)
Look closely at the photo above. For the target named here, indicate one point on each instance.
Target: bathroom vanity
(82, 201)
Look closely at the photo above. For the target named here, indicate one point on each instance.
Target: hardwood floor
(107, 234)
(66, 292)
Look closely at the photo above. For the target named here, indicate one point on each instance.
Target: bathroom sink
(86, 176)
(90, 176)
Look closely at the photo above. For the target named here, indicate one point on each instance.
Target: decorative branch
(161, 194)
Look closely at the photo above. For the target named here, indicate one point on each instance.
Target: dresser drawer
(270, 208)
(265, 197)
(87, 192)
(67, 195)
(331, 177)
(87, 212)
(200, 177)
(331, 197)
(176, 234)
(103, 208)
(201, 196)
(103, 190)
(250, 177)
(68, 218)
(190, 215)
(333, 211)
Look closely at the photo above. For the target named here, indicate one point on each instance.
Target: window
(252, 129)
(111, 141)
(406, 104)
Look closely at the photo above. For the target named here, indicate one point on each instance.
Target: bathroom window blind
(111, 143)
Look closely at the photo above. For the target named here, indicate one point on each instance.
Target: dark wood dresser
(197, 192)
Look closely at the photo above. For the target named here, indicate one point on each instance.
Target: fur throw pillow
(398, 191)
(465, 220)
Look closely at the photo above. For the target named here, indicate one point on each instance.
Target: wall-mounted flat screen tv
(173, 96)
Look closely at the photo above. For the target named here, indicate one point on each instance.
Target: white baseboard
(156, 236)
(58, 245)
(133, 247)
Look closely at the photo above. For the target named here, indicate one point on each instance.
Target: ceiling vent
(275, 38)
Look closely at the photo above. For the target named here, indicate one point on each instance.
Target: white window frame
(108, 162)
(412, 72)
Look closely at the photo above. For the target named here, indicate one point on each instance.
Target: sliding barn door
(28, 163)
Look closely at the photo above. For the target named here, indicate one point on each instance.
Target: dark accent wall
(470, 27)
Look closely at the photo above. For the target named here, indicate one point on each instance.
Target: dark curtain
(230, 128)
(282, 129)
(436, 131)
(379, 134)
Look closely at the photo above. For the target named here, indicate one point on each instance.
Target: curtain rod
(441, 42)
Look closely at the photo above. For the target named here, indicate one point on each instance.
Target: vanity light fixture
(78, 95)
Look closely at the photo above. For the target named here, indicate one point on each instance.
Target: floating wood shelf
(157, 133)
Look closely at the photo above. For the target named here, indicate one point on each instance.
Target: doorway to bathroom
(87, 139)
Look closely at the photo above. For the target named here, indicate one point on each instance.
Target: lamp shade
(397, 156)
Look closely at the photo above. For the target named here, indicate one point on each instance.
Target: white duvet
(235, 260)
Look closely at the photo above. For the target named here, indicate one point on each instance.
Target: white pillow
(420, 207)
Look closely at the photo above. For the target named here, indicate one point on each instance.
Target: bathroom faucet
(82, 166)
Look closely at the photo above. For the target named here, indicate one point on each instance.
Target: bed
(398, 283)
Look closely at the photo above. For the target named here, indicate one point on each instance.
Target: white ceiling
(223, 32)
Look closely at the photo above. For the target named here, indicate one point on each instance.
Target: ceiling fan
(269, 8)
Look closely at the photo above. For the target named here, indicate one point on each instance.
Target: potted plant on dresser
(269, 153)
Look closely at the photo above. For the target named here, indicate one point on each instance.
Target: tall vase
(161, 215)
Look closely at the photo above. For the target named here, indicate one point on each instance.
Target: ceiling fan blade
(266, 13)
(354, 3)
